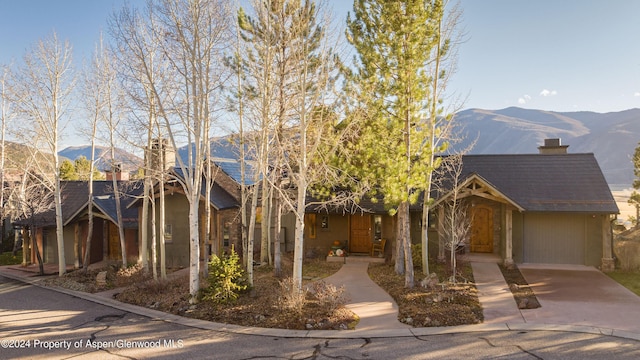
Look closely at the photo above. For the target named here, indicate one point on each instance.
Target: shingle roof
(534, 182)
(107, 205)
(232, 168)
(75, 198)
(563, 182)
(219, 198)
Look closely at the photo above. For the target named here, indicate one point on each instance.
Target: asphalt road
(37, 323)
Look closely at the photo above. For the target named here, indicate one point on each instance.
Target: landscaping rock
(430, 282)
(101, 279)
(523, 303)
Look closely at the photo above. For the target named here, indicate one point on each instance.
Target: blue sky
(567, 55)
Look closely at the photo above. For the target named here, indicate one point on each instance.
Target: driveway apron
(580, 295)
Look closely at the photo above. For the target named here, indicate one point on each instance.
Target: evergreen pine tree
(394, 41)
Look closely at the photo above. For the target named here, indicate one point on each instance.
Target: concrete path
(377, 309)
(496, 299)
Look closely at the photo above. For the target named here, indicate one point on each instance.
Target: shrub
(226, 279)
(292, 299)
(131, 274)
(329, 296)
(628, 254)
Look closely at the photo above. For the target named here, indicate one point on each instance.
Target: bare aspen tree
(253, 64)
(5, 115)
(238, 97)
(44, 88)
(302, 67)
(449, 37)
(34, 198)
(94, 102)
(192, 36)
(455, 219)
(136, 50)
(110, 116)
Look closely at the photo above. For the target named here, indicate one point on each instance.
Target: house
(224, 201)
(550, 207)
(105, 243)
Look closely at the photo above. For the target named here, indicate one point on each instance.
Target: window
(168, 233)
(377, 226)
(324, 222)
(311, 223)
(226, 230)
(259, 215)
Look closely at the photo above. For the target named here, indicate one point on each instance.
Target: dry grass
(626, 246)
(630, 280)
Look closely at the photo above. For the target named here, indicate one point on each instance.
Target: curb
(323, 334)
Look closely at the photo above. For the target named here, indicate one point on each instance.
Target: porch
(355, 258)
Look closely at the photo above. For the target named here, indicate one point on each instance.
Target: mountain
(612, 137)
(129, 161)
(19, 156)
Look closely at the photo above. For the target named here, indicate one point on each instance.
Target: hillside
(129, 161)
(18, 157)
(612, 137)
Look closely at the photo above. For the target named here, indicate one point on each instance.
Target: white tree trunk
(264, 226)
(87, 250)
(248, 256)
(298, 250)
(277, 261)
(194, 241)
(399, 253)
(408, 259)
(62, 264)
(425, 237)
(147, 190)
(154, 242)
(162, 222)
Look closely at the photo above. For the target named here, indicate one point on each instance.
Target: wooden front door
(482, 229)
(114, 242)
(360, 239)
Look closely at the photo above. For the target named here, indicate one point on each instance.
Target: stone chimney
(163, 156)
(552, 147)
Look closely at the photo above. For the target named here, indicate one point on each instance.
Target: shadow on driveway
(580, 295)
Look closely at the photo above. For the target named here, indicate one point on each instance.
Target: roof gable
(563, 182)
(219, 197)
(475, 185)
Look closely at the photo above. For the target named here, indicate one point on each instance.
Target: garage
(554, 238)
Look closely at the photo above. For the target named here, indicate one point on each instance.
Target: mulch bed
(522, 293)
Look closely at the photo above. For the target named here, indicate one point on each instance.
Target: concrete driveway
(580, 295)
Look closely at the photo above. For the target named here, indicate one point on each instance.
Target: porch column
(508, 249)
(441, 257)
(608, 264)
(77, 246)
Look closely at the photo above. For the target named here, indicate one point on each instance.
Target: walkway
(377, 309)
(378, 312)
(499, 306)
